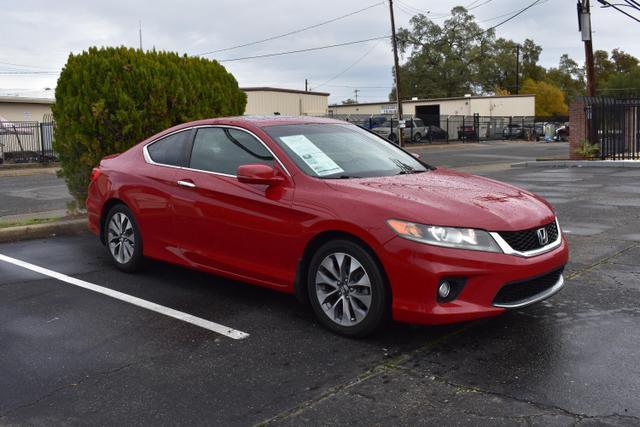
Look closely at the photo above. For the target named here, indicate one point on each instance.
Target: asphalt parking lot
(69, 355)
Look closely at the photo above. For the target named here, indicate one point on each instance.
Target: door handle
(187, 184)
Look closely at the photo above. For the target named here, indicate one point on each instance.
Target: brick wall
(577, 126)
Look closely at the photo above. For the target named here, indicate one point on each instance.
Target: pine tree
(109, 99)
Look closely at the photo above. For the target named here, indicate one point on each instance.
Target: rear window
(171, 150)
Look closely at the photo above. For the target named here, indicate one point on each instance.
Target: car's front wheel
(123, 239)
(417, 137)
(347, 289)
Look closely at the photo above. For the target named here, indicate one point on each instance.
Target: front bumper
(415, 270)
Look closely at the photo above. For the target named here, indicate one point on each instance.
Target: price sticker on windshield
(315, 158)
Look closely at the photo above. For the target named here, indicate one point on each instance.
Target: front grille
(520, 291)
(527, 240)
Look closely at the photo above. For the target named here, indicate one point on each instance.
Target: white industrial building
(487, 106)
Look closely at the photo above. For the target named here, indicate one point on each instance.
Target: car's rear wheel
(417, 137)
(123, 240)
(347, 289)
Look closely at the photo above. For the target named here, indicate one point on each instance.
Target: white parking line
(185, 317)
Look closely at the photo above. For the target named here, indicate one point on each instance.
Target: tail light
(95, 173)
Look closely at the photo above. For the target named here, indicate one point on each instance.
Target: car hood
(449, 198)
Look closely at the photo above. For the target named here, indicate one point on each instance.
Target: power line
(291, 32)
(607, 4)
(25, 66)
(469, 8)
(350, 66)
(28, 72)
(516, 14)
(268, 55)
(362, 87)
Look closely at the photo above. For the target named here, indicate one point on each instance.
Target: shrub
(109, 99)
(587, 150)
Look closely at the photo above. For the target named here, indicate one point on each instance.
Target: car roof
(263, 121)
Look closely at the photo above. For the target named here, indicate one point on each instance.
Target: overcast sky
(38, 36)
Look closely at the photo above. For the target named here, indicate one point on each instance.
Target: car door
(229, 226)
(150, 195)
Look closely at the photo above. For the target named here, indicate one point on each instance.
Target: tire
(123, 240)
(417, 137)
(362, 290)
(393, 137)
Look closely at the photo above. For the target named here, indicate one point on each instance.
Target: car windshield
(333, 151)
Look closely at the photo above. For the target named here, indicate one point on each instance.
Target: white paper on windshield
(315, 158)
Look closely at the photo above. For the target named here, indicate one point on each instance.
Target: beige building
(288, 102)
(260, 101)
(19, 109)
(491, 106)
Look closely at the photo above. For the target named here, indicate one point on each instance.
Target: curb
(578, 164)
(38, 231)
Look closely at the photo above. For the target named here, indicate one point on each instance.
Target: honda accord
(355, 226)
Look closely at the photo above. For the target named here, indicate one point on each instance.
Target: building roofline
(26, 100)
(410, 101)
(277, 89)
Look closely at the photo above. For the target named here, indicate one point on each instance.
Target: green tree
(569, 77)
(460, 57)
(603, 66)
(109, 99)
(442, 61)
(530, 57)
(549, 98)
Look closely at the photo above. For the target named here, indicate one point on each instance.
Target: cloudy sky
(36, 36)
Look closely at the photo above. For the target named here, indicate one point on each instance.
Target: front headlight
(449, 237)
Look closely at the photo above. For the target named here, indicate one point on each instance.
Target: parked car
(373, 122)
(414, 130)
(562, 133)
(467, 132)
(513, 131)
(435, 133)
(343, 218)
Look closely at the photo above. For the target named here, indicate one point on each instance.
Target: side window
(171, 150)
(222, 150)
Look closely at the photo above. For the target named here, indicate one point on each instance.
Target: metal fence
(27, 142)
(614, 125)
(426, 129)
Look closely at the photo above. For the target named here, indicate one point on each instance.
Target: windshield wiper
(409, 172)
(342, 177)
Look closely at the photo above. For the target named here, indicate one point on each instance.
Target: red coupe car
(356, 226)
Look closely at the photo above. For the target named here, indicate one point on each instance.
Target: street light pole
(397, 72)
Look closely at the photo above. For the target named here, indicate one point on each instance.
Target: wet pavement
(29, 194)
(72, 356)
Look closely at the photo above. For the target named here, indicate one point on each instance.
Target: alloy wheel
(343, 289)
(121, 238)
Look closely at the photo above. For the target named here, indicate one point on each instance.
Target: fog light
(444, 290)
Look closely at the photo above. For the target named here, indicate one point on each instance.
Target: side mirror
(416, 155)
(257, 173)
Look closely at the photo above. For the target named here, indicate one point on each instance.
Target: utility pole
(306, 85)
(584, 26)
(397, 72)
(140, 33)
(517, 69)
(356, 92)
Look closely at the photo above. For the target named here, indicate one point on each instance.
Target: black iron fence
(614, 126)
(27, 142)
(425, 129)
